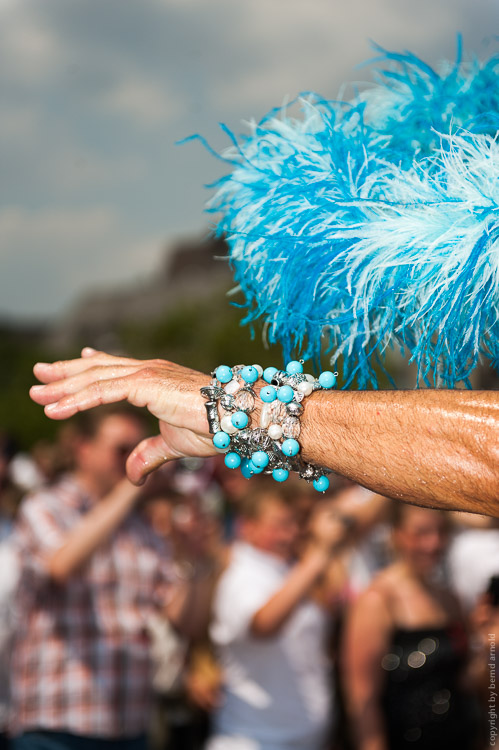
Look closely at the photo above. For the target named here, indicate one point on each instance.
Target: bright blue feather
(374, 222)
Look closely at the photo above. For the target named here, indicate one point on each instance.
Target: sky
(95, 95)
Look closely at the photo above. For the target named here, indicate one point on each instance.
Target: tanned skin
(436, 448)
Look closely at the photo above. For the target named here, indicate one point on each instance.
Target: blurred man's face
(274, 530)
(102, 459)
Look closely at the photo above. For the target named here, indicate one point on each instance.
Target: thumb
(147, 456)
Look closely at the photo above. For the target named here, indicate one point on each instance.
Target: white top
(277, 689)
(472, 560)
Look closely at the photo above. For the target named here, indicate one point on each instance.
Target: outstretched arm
(438, 448)
(434, 447)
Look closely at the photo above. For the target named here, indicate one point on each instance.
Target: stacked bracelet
(272, 447)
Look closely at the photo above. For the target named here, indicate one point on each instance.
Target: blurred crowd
(203, 610)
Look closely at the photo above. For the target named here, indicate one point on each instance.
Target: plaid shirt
(81, 661)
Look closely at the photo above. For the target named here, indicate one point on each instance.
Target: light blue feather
(374, 222)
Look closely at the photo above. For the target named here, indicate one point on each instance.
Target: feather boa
(371, 223)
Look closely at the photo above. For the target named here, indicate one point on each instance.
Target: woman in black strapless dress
(406, 649)
(422, 700)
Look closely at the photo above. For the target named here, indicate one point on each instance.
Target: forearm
(189, 610)
(272, 616)
(434, 447)
(100, 522)
(370, 740)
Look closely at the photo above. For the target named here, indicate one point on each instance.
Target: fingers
(173, 443)
(97, 393)
(57, 390)
(149, 455)
(48, 372)
(169, 391)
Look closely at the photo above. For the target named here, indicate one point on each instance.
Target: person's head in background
(102, 441)
(267, 518)
(420, 536)
(159, 507)
(233, 485)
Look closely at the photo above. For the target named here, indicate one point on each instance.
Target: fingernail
(88, 350)
(36, 388)
(50, 408)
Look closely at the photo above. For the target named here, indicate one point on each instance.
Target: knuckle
(148, 372)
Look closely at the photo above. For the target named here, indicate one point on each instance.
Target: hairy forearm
(433, 447)
(100, 522)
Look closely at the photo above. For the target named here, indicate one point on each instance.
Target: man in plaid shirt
(92, 573)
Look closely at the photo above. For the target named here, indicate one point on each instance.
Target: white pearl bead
(227, 426)
(259, 370)
(310, 379)
(265, 416)
(275, 432)
(232, 387)
(305, 388)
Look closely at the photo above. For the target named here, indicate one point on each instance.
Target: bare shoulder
(377, 600)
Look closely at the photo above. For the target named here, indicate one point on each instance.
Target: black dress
(423, 703)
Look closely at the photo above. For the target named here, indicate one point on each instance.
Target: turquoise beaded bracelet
(273, 446)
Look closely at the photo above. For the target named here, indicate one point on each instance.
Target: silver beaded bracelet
(273, 446)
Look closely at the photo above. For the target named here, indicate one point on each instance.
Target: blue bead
(246, 469)
(232, 460)
(249, 374)
(240, 420)
(294, 367)
(255, 469)
(321, 484)
(285, 394)
(290, 447)
(223, 374)
(221, 440)
(327, 379)
(280, 475)
(260, 459)
(268, 394)
(269, 373)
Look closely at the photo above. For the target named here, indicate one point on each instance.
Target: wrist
(258, 424)
(317, 556)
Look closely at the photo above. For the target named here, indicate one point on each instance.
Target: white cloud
(30, 50)
(142, 101)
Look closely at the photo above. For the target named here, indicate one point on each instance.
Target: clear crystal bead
(277, 412)
(244, 400)
(291, 427)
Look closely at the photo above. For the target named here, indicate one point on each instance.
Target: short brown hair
(263, 489)
(87, 423)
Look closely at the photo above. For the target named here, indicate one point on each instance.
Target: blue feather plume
(374, 222)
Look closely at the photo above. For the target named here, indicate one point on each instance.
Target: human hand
(327, 528)
(169, 391)
(204, 690)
